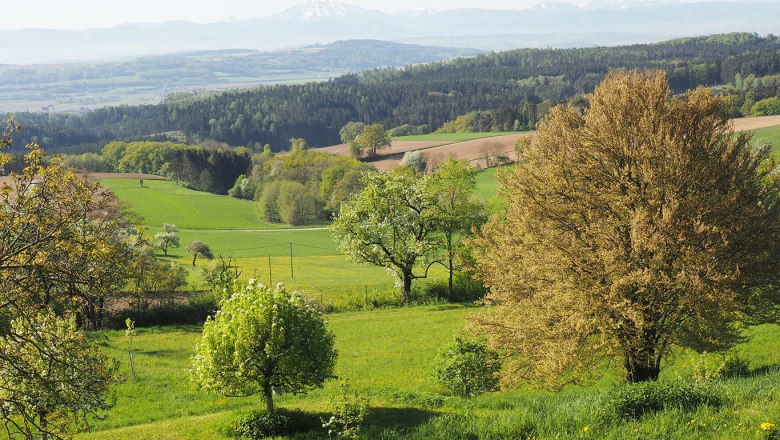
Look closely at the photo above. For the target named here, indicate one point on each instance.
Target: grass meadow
(387, 356)
(387, 353)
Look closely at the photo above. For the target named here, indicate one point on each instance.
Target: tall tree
(63, 250)
(390, 223)
(643, 224)
(199, 249)
(456, 211)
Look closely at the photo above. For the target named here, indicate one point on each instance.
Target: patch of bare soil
(478, 151)
(741, 124)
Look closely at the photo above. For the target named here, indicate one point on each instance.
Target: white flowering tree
(263, 339)
(391, 223)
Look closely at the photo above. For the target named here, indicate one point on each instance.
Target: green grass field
(162, 201)
(454, 137)
(768, 135)
(387, 356)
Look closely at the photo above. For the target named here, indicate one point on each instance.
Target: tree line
(526, 81)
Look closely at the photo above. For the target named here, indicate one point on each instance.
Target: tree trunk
(194, 257)
(450, 286)
(44, 427)
(642, 365)
(407, 287)
(268, 393)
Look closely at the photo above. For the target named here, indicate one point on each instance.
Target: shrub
(467, 367)
(259, 424)
(633, 401)
(464, 289)
(414, 160)
(349, 410)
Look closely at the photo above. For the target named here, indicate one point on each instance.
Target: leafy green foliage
(350, 131)
(414, 160)
(467, 367)
(635, 400)
(257, 425)
(263, 339)
(52, 377)
(390, 223)
(373, 138)
(349, 411)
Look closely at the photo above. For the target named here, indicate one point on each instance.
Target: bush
(193, 310)
(633, 401)
(259, 424)
(414, 160)
(464, 289)
(468, 368)
(349, 411)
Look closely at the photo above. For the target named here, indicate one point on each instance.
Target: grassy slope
(385, 355)
(768, 135)
(162, 201)
(381, 352)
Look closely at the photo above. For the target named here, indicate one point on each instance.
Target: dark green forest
(517, 87)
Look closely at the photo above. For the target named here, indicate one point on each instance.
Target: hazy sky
(79, 14)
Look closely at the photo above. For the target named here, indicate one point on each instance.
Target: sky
(81, 14)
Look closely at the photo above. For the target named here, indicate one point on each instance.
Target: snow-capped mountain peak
(319, 10)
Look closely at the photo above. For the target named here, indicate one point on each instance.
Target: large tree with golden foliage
(642, 224)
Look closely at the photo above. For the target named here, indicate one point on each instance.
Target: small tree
(456, 212)
(198, 248)
(263, 339)
(58, 377)
(373, 138)
(167, 238)
(467, 367)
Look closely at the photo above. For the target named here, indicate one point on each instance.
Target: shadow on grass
(766, 370)
(401, 418)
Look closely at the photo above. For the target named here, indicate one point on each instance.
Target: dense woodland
(522, 84)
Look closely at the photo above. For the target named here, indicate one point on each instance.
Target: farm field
(387, 358)
(231, 229)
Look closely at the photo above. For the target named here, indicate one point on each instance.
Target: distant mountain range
(592, 22)
(150, 79)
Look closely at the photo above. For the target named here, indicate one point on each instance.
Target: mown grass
(387, 355)
(454, 137)
(768, 135)
(162, 201)
(382, 352)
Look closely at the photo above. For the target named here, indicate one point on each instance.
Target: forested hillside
(522, 84)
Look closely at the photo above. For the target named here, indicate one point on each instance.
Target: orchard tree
(372, 139)
(641, 225)
(456, 211)
(263, 340)
(390, 223)
(53, 377)
(167, 238)
(63, 249)
(199, 249)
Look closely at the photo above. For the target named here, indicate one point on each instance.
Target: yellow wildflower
(767, 426)
(586, 428)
